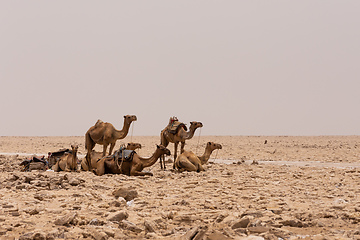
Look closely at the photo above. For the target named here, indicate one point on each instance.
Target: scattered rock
(126, 193)
(130, 226)
(65, 220)
(118, 217)
(150, 226)
(242, 223)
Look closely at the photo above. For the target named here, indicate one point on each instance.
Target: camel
(131, 167)
(180, 135)
(133, 146)
(104, 133)
(68, 161)
(90, 160)
(188, 161)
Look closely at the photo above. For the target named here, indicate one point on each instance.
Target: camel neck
(148, 162)
(206, 156)
(190, 133)
(120, 134)
(74, 156)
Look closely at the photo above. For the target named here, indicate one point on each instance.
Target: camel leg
(100, 167)
(134, 172)
(104, 149)
(182, 147)
(112, 145)
(183, 164)
(84, 166)
(165, 143)
(175, 153)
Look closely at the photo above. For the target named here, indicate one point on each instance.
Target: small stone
(39, 236)
(65, 220)
(242, 223)
(74, 182)
(126, 193)
(259, 229)
(217, 236)
(14, 213)
(151, 235)
(119, 216)
(130, 226)
(150, 226)
(292, 223)
(221, 217)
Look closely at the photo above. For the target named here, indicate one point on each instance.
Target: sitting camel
(188, 161)
(131, 167)
(68, 161)
(179, 134)
(104, 133)
(90, 160)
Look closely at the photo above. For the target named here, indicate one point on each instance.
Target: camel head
(133, 146)
(74, 148)
(129, 118)
(195, 125)
(212, 146)
(163, 150)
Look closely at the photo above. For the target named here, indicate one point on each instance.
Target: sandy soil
(237, 200)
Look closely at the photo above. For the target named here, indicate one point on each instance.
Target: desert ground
(289, 188)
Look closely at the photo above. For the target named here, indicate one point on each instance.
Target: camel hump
(98, 122)
(174, 127)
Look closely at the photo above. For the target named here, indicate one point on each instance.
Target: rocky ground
(236, 200)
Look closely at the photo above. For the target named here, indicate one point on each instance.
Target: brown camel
(180, 135)
(68, 161)
(133, 146)
(188, 161)
(131, 167)
(104, 133)
(90, 160)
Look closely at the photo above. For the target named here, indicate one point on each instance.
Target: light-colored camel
(181, 135)
(68, 161)
(90, 160)
(104, 133)
(188, 161)
(132, 167)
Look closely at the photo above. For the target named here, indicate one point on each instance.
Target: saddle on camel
(35, 163)
(120, 156)
(174, 125)
(128, 162)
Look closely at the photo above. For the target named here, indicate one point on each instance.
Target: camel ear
(209, 143)
(124, 116)
(157, 146)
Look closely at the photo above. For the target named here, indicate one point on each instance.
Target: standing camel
(104, 133)
(179, 135)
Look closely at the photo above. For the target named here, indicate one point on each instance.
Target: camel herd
(126, 160)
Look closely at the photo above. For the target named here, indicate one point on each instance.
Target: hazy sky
(239, 67)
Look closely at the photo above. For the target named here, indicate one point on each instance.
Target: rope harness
(197, 146)
(122, 147)
(132, 131)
